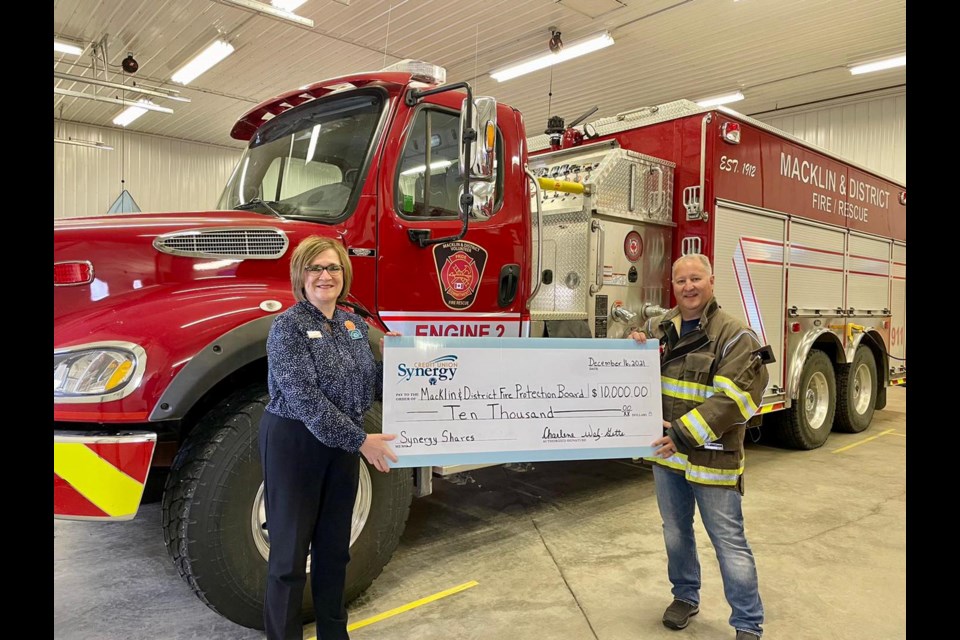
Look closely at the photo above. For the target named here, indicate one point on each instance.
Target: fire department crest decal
(459, 269)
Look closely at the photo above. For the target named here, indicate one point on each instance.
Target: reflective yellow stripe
(113, 491)
(698, 427)
(677, 461)
(713, 475)
(684, 390)
(700, 474)
(747, 406)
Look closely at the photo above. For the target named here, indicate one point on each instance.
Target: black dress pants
(309, 490)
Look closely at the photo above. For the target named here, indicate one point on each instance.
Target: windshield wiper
(257, 202)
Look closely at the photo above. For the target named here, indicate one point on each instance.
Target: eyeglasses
(319, 268)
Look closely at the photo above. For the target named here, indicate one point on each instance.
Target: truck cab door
(471, 287)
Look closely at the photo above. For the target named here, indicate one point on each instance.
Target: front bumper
(100, 477)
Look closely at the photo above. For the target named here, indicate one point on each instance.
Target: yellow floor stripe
(407, 607)
(902, 435)
(113, 491)
(865, 440)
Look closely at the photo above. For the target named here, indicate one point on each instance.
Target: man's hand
(388, 333)
(376, 450)
(664, 446)
(639, 336)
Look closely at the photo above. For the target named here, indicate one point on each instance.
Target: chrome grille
(238, 243)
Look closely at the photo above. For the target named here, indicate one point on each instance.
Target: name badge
(314, 334)
(713, 446)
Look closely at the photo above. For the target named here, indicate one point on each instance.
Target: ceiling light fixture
(287, 5)
(880, 65)
(63, 46)
(572, 50)
(100, 98)
(718, 100)
(93, 144)
(202, 62)
(136, 88)
(269, 11)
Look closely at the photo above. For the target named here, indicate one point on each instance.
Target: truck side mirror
(478, 157)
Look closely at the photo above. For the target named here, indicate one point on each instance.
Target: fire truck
(457, 224)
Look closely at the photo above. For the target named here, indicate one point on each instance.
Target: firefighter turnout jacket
(712, 381)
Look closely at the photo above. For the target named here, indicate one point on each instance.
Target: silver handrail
(536, 187)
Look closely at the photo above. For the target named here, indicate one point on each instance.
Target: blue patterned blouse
(323, 373)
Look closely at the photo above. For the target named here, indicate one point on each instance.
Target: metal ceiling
(780, 53)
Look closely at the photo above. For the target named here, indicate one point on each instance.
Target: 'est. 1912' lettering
(735, 166)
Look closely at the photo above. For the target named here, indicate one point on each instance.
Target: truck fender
(795, 367)
(874, 341)
(214, 362)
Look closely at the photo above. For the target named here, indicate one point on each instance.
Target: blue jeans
(723, 520)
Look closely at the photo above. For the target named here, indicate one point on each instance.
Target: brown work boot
(677, 615)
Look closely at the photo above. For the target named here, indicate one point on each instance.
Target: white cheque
(487, 400)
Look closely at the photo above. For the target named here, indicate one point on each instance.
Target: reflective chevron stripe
(100, 477)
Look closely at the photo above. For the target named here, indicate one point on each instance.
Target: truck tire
(213, 515)
(807, 424)
(856, 392)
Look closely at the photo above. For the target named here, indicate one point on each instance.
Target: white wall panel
(161, 174)
(871, 131)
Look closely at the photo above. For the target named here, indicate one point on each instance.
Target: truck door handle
(509, 277)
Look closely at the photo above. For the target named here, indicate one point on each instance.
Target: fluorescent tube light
(440, 164)
(880, 65)
(217, 51)
(287, 5)
(84, 143)
(131, 113)
(67, 47)
(573, 50)
(270, 11)
(718, 100)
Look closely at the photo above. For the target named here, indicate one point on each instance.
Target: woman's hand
(639, 336)
(388, 333)
(376, 450)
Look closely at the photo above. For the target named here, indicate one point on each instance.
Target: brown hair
(306, 252)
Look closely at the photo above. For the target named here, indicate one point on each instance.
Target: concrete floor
(568, 551)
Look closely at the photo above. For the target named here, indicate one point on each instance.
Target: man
(712, 379)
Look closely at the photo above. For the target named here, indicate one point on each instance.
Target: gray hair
(702, 259)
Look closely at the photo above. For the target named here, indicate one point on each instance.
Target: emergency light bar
(419, 70)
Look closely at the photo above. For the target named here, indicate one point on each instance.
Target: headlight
(94, 371)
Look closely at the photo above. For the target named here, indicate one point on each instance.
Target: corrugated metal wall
(871, 132)
(161, 174)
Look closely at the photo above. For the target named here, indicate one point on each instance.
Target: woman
(322, 378)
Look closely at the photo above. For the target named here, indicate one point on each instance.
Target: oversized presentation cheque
(488, 400)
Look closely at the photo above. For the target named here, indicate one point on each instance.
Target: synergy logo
(439, 369)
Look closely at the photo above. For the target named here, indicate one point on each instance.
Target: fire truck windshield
(307, 162)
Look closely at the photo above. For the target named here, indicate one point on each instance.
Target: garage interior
(566, 550)
(555, 550)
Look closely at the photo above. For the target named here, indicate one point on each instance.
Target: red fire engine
(160, 320)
